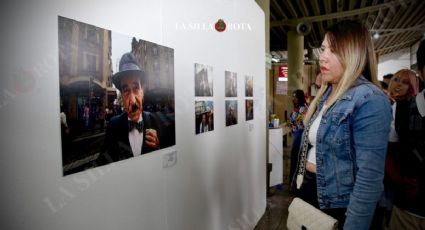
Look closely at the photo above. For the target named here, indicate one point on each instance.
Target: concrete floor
(278, 201)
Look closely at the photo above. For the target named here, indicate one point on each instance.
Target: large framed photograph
(116, 96)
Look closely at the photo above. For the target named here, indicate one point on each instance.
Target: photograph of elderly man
(116, 96)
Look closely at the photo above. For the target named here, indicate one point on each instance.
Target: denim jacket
(350, 153)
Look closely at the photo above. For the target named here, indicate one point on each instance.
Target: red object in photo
(283, 71)
(220, 25)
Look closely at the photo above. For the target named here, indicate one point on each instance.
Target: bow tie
(135, 125)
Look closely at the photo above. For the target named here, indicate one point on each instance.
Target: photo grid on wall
(204, 109)
(231, 90)
(249, 102)
(112, 86)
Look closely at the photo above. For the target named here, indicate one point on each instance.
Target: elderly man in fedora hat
(135, 131)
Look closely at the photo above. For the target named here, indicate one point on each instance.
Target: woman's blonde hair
(352, 43)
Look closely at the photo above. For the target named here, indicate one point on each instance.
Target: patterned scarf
(304, 150)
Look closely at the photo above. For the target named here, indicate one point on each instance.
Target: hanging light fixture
(376, 35)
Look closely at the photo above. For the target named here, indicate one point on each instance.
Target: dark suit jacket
(409, 157)
(117, 145)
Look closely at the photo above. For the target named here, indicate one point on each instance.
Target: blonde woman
(342, 158)
(404, 84)
(409, 159)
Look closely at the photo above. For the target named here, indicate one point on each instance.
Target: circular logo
(220, 25)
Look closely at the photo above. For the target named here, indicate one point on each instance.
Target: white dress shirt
(420, 102)
(312, 134)
(136, 140)
(393, 136)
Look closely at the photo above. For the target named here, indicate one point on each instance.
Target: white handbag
(303, 215)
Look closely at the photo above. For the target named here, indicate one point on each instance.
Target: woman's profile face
(295, 100)
(330, 66)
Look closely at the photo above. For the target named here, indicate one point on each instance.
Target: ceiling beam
(409, 42)
(351, 5)
(419, 27)
(328, 10)
(389, 16)
(276, 5)
(291, 9)
(340, 6)
(304, 9)
(316, 10)
(337, 14)
(403, 20)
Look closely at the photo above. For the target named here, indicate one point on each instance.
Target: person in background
(384, 86)
(249, 109)
(86, 115)
(64, 124)
(315, 87)
(409, 158)
(203, 126)
(231, 116)
(318, 81)
(211, 120)
(387, 78)
(297, 126)
(403, 84)
(342, 157)
(65, 131)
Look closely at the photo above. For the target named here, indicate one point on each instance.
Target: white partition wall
(219, 180)
(276, 155)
